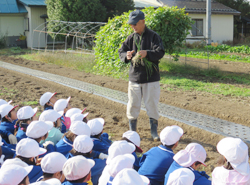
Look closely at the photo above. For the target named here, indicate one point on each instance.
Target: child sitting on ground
(25, 116)
(155, 163)
(101, 140)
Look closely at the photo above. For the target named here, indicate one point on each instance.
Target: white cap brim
(42, 151)
(1, 143)
(145, 180)
(84, 109)
(68, 99)
(9, 102)
(91, 163)
(28, 169)
(85, 115)
(35, 111)
(61, 112)
(50, 125)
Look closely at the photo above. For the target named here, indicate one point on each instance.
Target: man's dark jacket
(151, 42)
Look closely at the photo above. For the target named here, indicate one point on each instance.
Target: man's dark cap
(135, 16)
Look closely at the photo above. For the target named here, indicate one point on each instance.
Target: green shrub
(171, 23)
(3, 40)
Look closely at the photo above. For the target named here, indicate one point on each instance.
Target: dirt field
(22, 88)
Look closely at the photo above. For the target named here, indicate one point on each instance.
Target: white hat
(120, 148)
(46, 97)
(13, 174)
(29, 148)
(134, 138)
(14, 161)
(80, 128)
(192, 153)
(236, 152)
(181, 176)
(26, 112)
(6, 108)
(119, 163)
(73, 111)
(38, 129)
(1, 143)
(130, 176)
(53, 162)
(77, 167)
(52, 181)
(49, 115)
(171, 134)
(78, 117)
(61, 104)
(4, 102)
(83, 144)
(96, 126)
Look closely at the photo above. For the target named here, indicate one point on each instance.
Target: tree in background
(117, 7)
(242, 6)
(76, 10)
(87, 10)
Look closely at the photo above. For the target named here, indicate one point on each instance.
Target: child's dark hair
(197, 163)
(97, 136)
(80, 180)
(126, 139)
(40, 138)
(47, 175)
(75, 153)
(22, 124)
(24, 180)
(228, 166)
(4, 119)
(85, 120)
(46, 105)
(70, 136)
(26, 160)
(169, 146)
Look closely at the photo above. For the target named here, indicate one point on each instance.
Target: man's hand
(143, 53)
(130, 54)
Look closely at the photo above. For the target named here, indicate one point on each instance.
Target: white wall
(222, 27)
(34, 14)
(13, 24)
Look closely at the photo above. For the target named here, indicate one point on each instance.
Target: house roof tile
(11, 6)
(200, 6)
(33, 2)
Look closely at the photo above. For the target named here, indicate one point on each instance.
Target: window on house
(26, 24)
(197, 27)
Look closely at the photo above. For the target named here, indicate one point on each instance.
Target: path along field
(23, 89)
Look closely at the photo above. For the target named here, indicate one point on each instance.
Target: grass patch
(80, 62)
(14, 51)
(214, 56)
(174, 75)
(29, 103)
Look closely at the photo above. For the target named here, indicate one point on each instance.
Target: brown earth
(22, 88)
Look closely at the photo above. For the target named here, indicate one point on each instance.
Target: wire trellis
(77, 37)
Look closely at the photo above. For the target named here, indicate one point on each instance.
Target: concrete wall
(221, 27)
(34, 39)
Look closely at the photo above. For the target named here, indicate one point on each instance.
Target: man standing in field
(143, 49)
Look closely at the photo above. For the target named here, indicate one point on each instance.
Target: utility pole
(208, 22)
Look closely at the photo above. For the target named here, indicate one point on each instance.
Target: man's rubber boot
(154, 125)
(133, 124)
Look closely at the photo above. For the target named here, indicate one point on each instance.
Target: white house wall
(13, 25)
(222, 27)
(34, 14)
